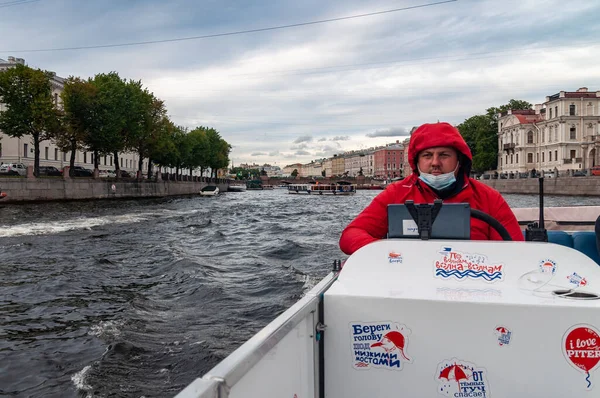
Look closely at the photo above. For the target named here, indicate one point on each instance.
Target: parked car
(79, 171)
(596, 171)
(50, 171)
(579, 173)
(107, 174)
(125, 174)
(13, 169)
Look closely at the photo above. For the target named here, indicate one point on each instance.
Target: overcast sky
(300, 93)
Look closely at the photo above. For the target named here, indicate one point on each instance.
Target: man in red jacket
(441, 163)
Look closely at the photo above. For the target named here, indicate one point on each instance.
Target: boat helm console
(430, 317)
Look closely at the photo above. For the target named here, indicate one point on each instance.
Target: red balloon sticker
(581, 346)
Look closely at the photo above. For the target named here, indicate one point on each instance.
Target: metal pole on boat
(536, 231)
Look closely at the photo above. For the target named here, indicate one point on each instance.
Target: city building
(560, 134)
(389, 161)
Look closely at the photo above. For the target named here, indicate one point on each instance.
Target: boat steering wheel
(492, 222)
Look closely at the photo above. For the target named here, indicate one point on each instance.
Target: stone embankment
(568, 186)
(20, 189)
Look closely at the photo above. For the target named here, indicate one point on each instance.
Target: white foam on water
(79, 379)
(55, 227)
(106, 329)
(84, 223)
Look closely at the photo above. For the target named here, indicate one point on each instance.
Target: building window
(571, 110)
(572, 133)
(556, 155)
(530, 158)
(573, 154)
(46, 153)
(530, 137)
(111, 160)
(537, 157)
(517, 158)
(55, 153)
(55, 99)
(550, 113)
(506, 160)
(85, 157)
(549, 156)
(556, 111)
(544, 135)
(25, 150)
(121, 162)
(511, 159)
(543, 156)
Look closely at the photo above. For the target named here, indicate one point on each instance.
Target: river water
(137, 298)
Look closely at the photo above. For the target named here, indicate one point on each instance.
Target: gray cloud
(322, 139)
(258, 154)
(304, 138)
(301, 146)
(340, 138)
(391, 132)
(301, 153)
(274, 153)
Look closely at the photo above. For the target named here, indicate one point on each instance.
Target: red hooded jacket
(372, 223)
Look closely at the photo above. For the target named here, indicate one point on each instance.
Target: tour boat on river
(426, 314)
(337, 188)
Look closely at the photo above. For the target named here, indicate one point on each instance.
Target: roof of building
(528, 119)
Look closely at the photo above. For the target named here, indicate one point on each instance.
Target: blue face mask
(438, 182)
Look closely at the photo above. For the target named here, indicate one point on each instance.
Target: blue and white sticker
(461, 266)
(379, 345)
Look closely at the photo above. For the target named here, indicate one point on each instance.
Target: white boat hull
(430, 318)
(236, 188)
(211, 192)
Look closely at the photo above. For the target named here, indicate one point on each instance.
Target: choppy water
(138, 298)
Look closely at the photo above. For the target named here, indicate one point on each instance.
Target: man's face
(438, 160)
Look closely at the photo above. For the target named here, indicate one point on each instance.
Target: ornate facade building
(560, 134)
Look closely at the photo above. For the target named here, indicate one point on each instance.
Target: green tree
(151, 115)
(481, 134)
(218, 151)
(27, 95)
(78, 98)
(294, 173)
(111, 116)
(360, 172)
(200, 153)
(163, 151)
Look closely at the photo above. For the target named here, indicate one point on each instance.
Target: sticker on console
(503, 334)
(395, 257)
(458, 378)
(577, 279)
(548, 266)
(461, 266)
(581, 347)
(378, 345)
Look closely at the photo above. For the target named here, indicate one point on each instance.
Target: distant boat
(236, 187)
(210, 190)
(338, 188)
(268, 187)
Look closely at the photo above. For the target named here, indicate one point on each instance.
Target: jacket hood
(438, 134)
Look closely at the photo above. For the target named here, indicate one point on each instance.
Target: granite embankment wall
(57, 189)
(568, 186)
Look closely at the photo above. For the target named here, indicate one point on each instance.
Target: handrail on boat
(219, 380)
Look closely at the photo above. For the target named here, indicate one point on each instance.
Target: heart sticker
(581, 347)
